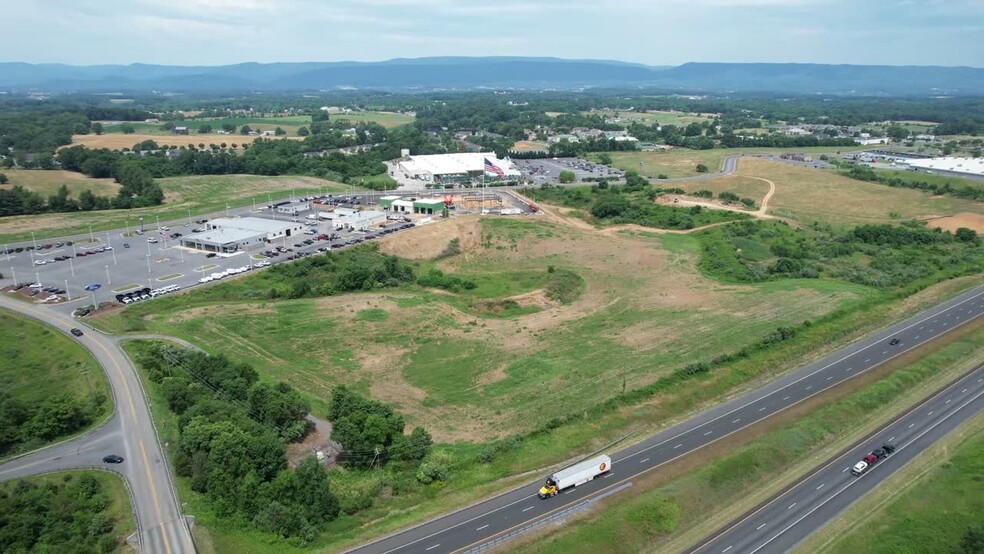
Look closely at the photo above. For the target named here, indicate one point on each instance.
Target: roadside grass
(925, 507)
(37, 361)
(648, 518)
(47, 182)
(118, 508)
(809, 195)
(916, 176)
(199, 194)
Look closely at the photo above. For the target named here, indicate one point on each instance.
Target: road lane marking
(737, 420)
(821, 486)
(930, 413)
(845, 470)
(963, 391)
(726, 549)
(482, 527)
(527, 509)
(809, 387)
(948, 400)
(677, 446)
(849, 369)
(829, 378)
(432, 547)
(708, 433)
(911, 425)
(885, 353)
(759, 528)
(868, 360)
(791, 506)
(762, 409)
(784, 398)
(917, 337)
(890, 439)
(643, 460)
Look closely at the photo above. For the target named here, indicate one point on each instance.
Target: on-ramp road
(788, 519)
(130, 432)
(483, 522)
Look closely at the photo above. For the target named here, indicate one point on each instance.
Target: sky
(653, 32)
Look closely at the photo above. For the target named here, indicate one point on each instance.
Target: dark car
(126, 245)
(888, 448)
(113, 459)
(211, 255)
(77, 332)
(893, 342)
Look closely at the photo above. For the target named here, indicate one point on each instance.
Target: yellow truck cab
(575, 475)
(548, 489)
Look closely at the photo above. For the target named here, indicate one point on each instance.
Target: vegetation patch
(50, 387)
(65, 512)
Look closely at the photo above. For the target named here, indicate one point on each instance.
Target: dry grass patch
(47, 182)
(118, 141)
(954, 222)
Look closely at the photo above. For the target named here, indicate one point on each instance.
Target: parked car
(76, 331)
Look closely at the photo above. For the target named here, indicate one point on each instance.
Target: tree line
(947, 188)
(24, 425)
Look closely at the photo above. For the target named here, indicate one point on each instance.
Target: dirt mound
(954, 222)
(430, 241)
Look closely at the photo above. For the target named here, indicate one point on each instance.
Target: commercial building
(449, 168)
(294, 208)
(428, 206)
(227, 235)
(972, 168)
(359, 221)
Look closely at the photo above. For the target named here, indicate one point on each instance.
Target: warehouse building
(294, 208)
(359, 221)
(967, 168)
(427, 206)
(225, 235)
(457, 168)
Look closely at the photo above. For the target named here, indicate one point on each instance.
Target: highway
(498, 517)
(130, 432)
(786, 520)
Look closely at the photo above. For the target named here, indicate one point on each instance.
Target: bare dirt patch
(954, 222)
(429, 241)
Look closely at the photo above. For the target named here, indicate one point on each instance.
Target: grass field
(926, 507)
(47, 183)
(199, 193)
(807, 195)
(37, 361)
(671, 509)
(117, 141)
(682, 162)
(449, 362)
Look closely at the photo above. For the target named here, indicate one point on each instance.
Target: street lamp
(91, 237)
(108, 281)
(34, 240)
(189, 217)
(127, 233)
(148, 262)
(14, 273)
(141, 224)
(72, 265)
(227, 210)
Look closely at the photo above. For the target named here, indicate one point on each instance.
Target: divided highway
(785, 521)
(130, 432)
(476, 525)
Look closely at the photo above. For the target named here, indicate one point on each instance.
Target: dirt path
(768, 196)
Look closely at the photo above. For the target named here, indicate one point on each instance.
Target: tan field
(954, 222)
(117, 141)
(46, 183)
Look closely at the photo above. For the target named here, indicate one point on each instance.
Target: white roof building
(967, 166)
(268, 227)
(470, 164)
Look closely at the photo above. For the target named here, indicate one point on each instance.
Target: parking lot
(548, 170)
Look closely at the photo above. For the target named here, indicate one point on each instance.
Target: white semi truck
(577, 474)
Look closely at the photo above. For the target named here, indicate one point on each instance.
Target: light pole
(6, 251)
(148, 263)
(157, 218)
(108, 281)
(141, 224)
(94, 305)
(127, 233)
(14, 274)
(91, 237)
(148, 250)
(71, 264)
(111, 249)
(67, 292)
(189, 217)
(37, 276)
(227, 210)
(34, 240)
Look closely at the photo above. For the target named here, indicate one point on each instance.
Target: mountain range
(497, 72)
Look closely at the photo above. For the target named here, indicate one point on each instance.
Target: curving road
(471, 528)
(781, 523)
(129, 432)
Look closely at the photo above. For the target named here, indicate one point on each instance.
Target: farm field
(199, 193)
(47, 182)
(807, 195)
(680, 119)
(119, 141)
(682, 162)
(454, 364)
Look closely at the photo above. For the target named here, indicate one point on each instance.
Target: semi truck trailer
(578, 474)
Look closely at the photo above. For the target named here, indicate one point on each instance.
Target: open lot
(807, 195)
(655, 117)
(200, 194)
(547, 170)
(475, 365)
(47, 183)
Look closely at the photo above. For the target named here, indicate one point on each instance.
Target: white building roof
(254, 224)
(454, 164)
(226, 235)
(973, 166)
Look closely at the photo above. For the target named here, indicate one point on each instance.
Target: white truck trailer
(577, 474)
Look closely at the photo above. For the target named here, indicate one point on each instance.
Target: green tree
(229, 127)
(245, 130)
(605, 158)
(127, 129)
(701, 168)
(973, 540)
(97, 128)
(566, 176)
(3, 179)
(897, 132)
(967, 235)
(204, 129)
(279, 132)
(303, 132)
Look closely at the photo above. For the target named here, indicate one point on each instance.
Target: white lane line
(829, 378)
(821, 486)
(432, 547)
(708, 433)
(726, 549)
(759, 528)
(963, 391)
(932, 330)
(809, 387)
(527, 509)
(890, 439)
(845, 470)
(867, 360)
(791, 506)
(917, 337)
(930, 413)
(677, 446)
(762, 409)
(608, 475)
(482, 527)
(785, 398)
(911, 425)
(737, 420)
(948, 400)
(644, 460)
(849, 369)
(921, 327)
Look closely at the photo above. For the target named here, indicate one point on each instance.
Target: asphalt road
(785, 521)
(499, 516)
(129, 432)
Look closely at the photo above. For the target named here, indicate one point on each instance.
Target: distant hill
(470, 73)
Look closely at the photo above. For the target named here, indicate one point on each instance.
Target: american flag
(492, 168)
